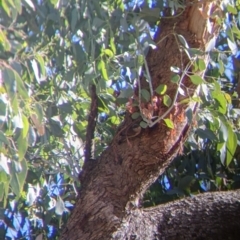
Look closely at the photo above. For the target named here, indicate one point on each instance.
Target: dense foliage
(50, 53)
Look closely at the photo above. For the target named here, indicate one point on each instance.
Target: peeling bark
(112, 187)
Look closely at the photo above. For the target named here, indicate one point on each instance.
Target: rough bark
(206, 216)
(114, 183)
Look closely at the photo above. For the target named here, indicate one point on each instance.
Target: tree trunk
(113, 184)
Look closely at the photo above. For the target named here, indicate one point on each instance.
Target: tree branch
(206, 216)
(92, 118)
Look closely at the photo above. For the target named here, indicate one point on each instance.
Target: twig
(92, 119)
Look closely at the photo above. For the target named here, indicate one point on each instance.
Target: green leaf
(97, 23)
(1, 190)
(41, 63)
(221, 66)
(39, 112)
(145, 94)
(167, 100)
(175, 78)
(169, 123)
(25, 126)
(183, 40)
(231, 145)
(54, 2)
(196, 79)
(74, 18)
(108, 52)
(220, 98)
(4, 41)
(231, 9)
(115, 120)
(233, 46)
(201, 64)
(22, 174)
(143, 124)
(135, 115)
(9, 82)
(206, 134)
(102, 68)
(161, 89)
(102, 106)
(60, 206)
(4, 164)
(15, 186)
(6, 9)
(112, 44)
(22, 146)
(3, 138)
(186, 182)
(221, 147)
(4, 178)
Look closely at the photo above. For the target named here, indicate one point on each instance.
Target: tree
(39, 126)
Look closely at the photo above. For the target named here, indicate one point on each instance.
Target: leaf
(60, 206)
(32, 137)
(124, 24)
(223, 131)
(169, 123)
(233, 46)
(22, 174)
(112, 43)
(231, 145)
(196, 79)
(74, 18)
(201, 64)
(175, 78)
(4, 41)
(97, 23)
(4, 164)
(181, 91)
(135, 115)
(206, 134)
(102, 68)
(167, 100)
(6, 9)
(25, 126)
(3, 138)
(183, 40)
(189, 114)
(39, 112)
(145, 94)
(143, 124)
(9, 82)
(220, 98)
(186, 182)
(108, 52)
(211, 44)
(161, 89)
(231, 9)
(41, 63)
(15, 186)
(221, 66)
(102, 105)
(229, 33)
(22, 146)
(29, 2)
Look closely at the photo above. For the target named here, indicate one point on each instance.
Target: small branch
(92, 119)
